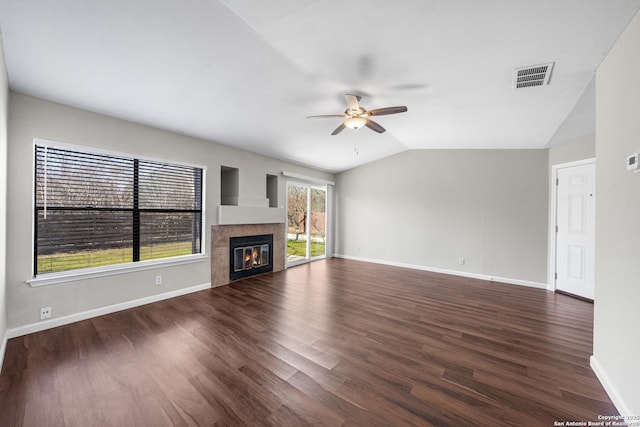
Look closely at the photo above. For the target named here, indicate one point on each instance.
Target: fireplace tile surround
(220, 235)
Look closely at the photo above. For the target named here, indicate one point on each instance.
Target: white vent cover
(534, 75)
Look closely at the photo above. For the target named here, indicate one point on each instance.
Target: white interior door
(575, 232)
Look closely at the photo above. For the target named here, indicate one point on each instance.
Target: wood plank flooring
(334, 342)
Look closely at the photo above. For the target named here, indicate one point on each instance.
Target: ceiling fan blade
(387, 110)
(324, 116)
(374, 126)
(339, 129)
(352, 102)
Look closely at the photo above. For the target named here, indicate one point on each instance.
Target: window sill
(90, 273)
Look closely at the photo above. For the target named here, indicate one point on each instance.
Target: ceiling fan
(356, 116)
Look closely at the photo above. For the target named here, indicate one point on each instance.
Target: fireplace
(249, 255)
(220, 241)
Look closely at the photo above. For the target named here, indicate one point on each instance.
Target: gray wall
(32, 117)
(617, 292)
(578, 149)
(428, 208)
(4, 95)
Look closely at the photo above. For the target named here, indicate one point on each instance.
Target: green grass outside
(100, 258)
(299, 248)
(72, 261)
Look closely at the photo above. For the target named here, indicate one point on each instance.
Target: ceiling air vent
(535, 75)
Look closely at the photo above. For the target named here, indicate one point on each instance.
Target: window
(94, 210)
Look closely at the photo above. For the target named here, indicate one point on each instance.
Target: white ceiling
(245, 73)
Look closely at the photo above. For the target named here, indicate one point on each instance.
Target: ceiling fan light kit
(356, 116)
(355, 122)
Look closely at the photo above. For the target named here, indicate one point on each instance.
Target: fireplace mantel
(240, 215)
(220, 235)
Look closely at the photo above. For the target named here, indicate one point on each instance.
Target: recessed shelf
(229, 186)
(272, 190)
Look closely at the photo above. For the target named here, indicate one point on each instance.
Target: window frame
(108, 270)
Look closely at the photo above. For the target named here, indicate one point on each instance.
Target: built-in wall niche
(229, 186)
(272, 190)
(249, 208)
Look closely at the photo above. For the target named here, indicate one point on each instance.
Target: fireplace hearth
(250, 255)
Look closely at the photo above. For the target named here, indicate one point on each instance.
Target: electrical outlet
(45, 313)
(158, 280)
(461, 261)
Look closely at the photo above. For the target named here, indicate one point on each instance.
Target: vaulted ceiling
(246, 73)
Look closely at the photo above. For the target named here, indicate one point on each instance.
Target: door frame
(328, 222)
(553, 216)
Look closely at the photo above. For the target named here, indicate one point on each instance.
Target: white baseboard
(76, 317)
(608, 386)
(452, 272)
(3, 348)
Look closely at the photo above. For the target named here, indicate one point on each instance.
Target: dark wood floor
(334, 342)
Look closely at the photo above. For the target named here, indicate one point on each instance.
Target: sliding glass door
(306, 222)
